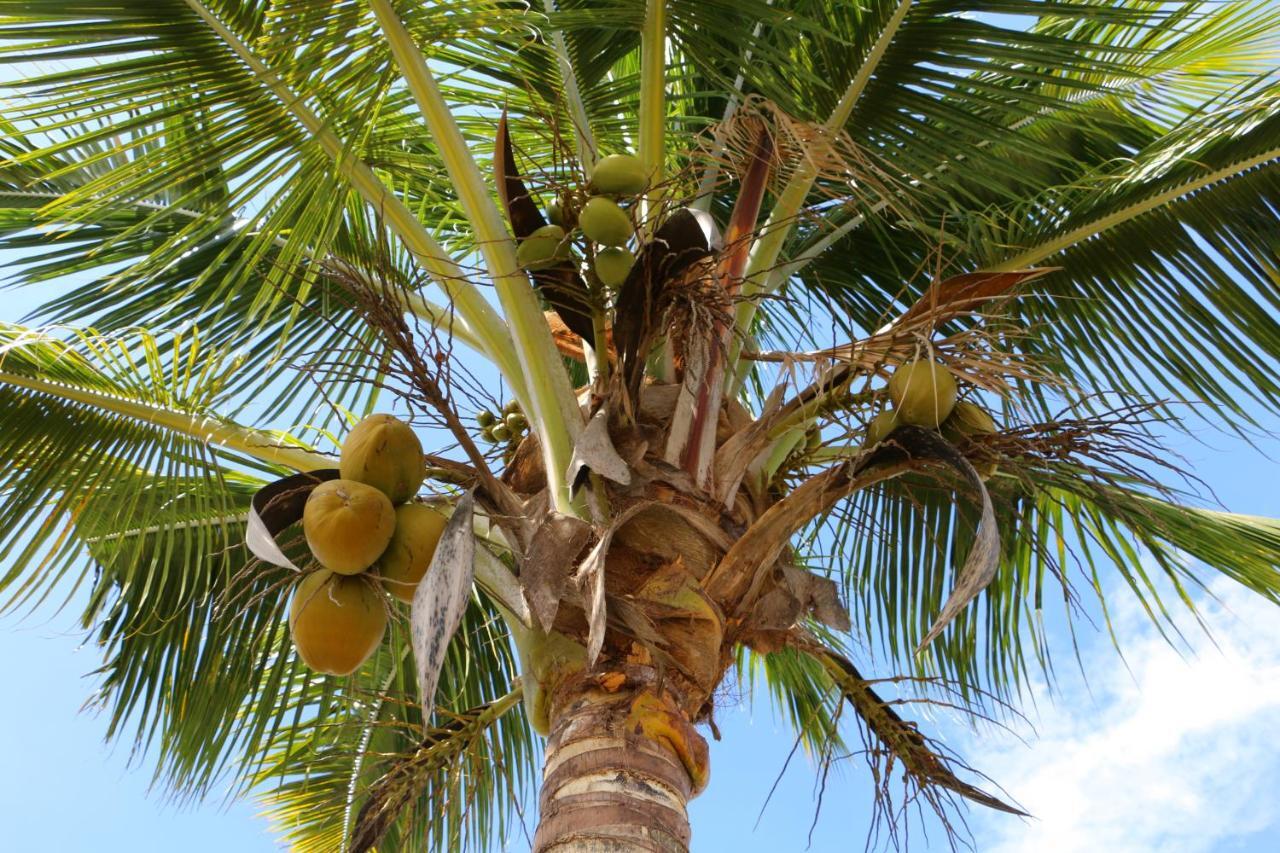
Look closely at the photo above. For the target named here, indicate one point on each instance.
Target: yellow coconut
(923, 392)
(545, 247)
(403, 564)
(968, 419)
(880, 427)
(385, 453)
(604, 222)
(347, 525)
(620, 174)
(613, 264)
(336, 621)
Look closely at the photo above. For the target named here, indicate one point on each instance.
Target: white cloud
(1182, 756)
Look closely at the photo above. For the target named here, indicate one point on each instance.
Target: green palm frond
(466, 780)
(1062, 525)
(112, 485)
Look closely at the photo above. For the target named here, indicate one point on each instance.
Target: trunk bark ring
(617, 780)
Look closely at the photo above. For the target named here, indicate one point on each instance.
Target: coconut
(408, 556)
(880, 427)
(347, 525)
(555, 214)
(545, 247)
(485, 418)
(385, 453)
(500, 433)
(968, 419)
(604, 222)
(336, 621)
(923, 393)
(613, 265)
(619, 174)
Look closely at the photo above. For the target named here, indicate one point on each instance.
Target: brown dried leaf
(594, 451)
(818, 596)
(925, 765)
(441, 599)
(544, 574)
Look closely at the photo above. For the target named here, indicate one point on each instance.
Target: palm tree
(258, 221)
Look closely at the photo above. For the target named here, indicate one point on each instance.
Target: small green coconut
(555, 214)
(613, 264)
(604, 222)
(619, 174)
(501, 433)
(967, 419)
(486, 418)
(512, 405)
(880, 427)
(545, 247)
(923, 392)
(515, 422)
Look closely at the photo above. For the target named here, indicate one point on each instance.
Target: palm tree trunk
(617, 776)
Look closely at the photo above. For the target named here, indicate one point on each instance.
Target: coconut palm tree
(255, 221)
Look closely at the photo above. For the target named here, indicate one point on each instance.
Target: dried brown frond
(929, 772)
(843, 169)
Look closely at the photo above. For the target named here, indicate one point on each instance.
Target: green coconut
(619, 174)
(604, 222)
(347, 525)
(515, 422)
(880, 427)
(501, 433)
(408, 556)
(555, 214)
(384, 452)
(544, 248)
(923, 392)
(336, 622)
(968, 419)
(486, 418)
(613, 264)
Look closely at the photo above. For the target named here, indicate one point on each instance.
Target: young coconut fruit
(967, 419)
(555, 213)
(880, 427)
(619, 174)
(613, 265)
(545, 247)
(336, 622)
(347, 525)
(408, 556)
(385, 453)
(604, 222)
(923, 392)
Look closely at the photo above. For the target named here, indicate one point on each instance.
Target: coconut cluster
(369, 539)
(507, 427)
(602, 221)
(924, 393)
